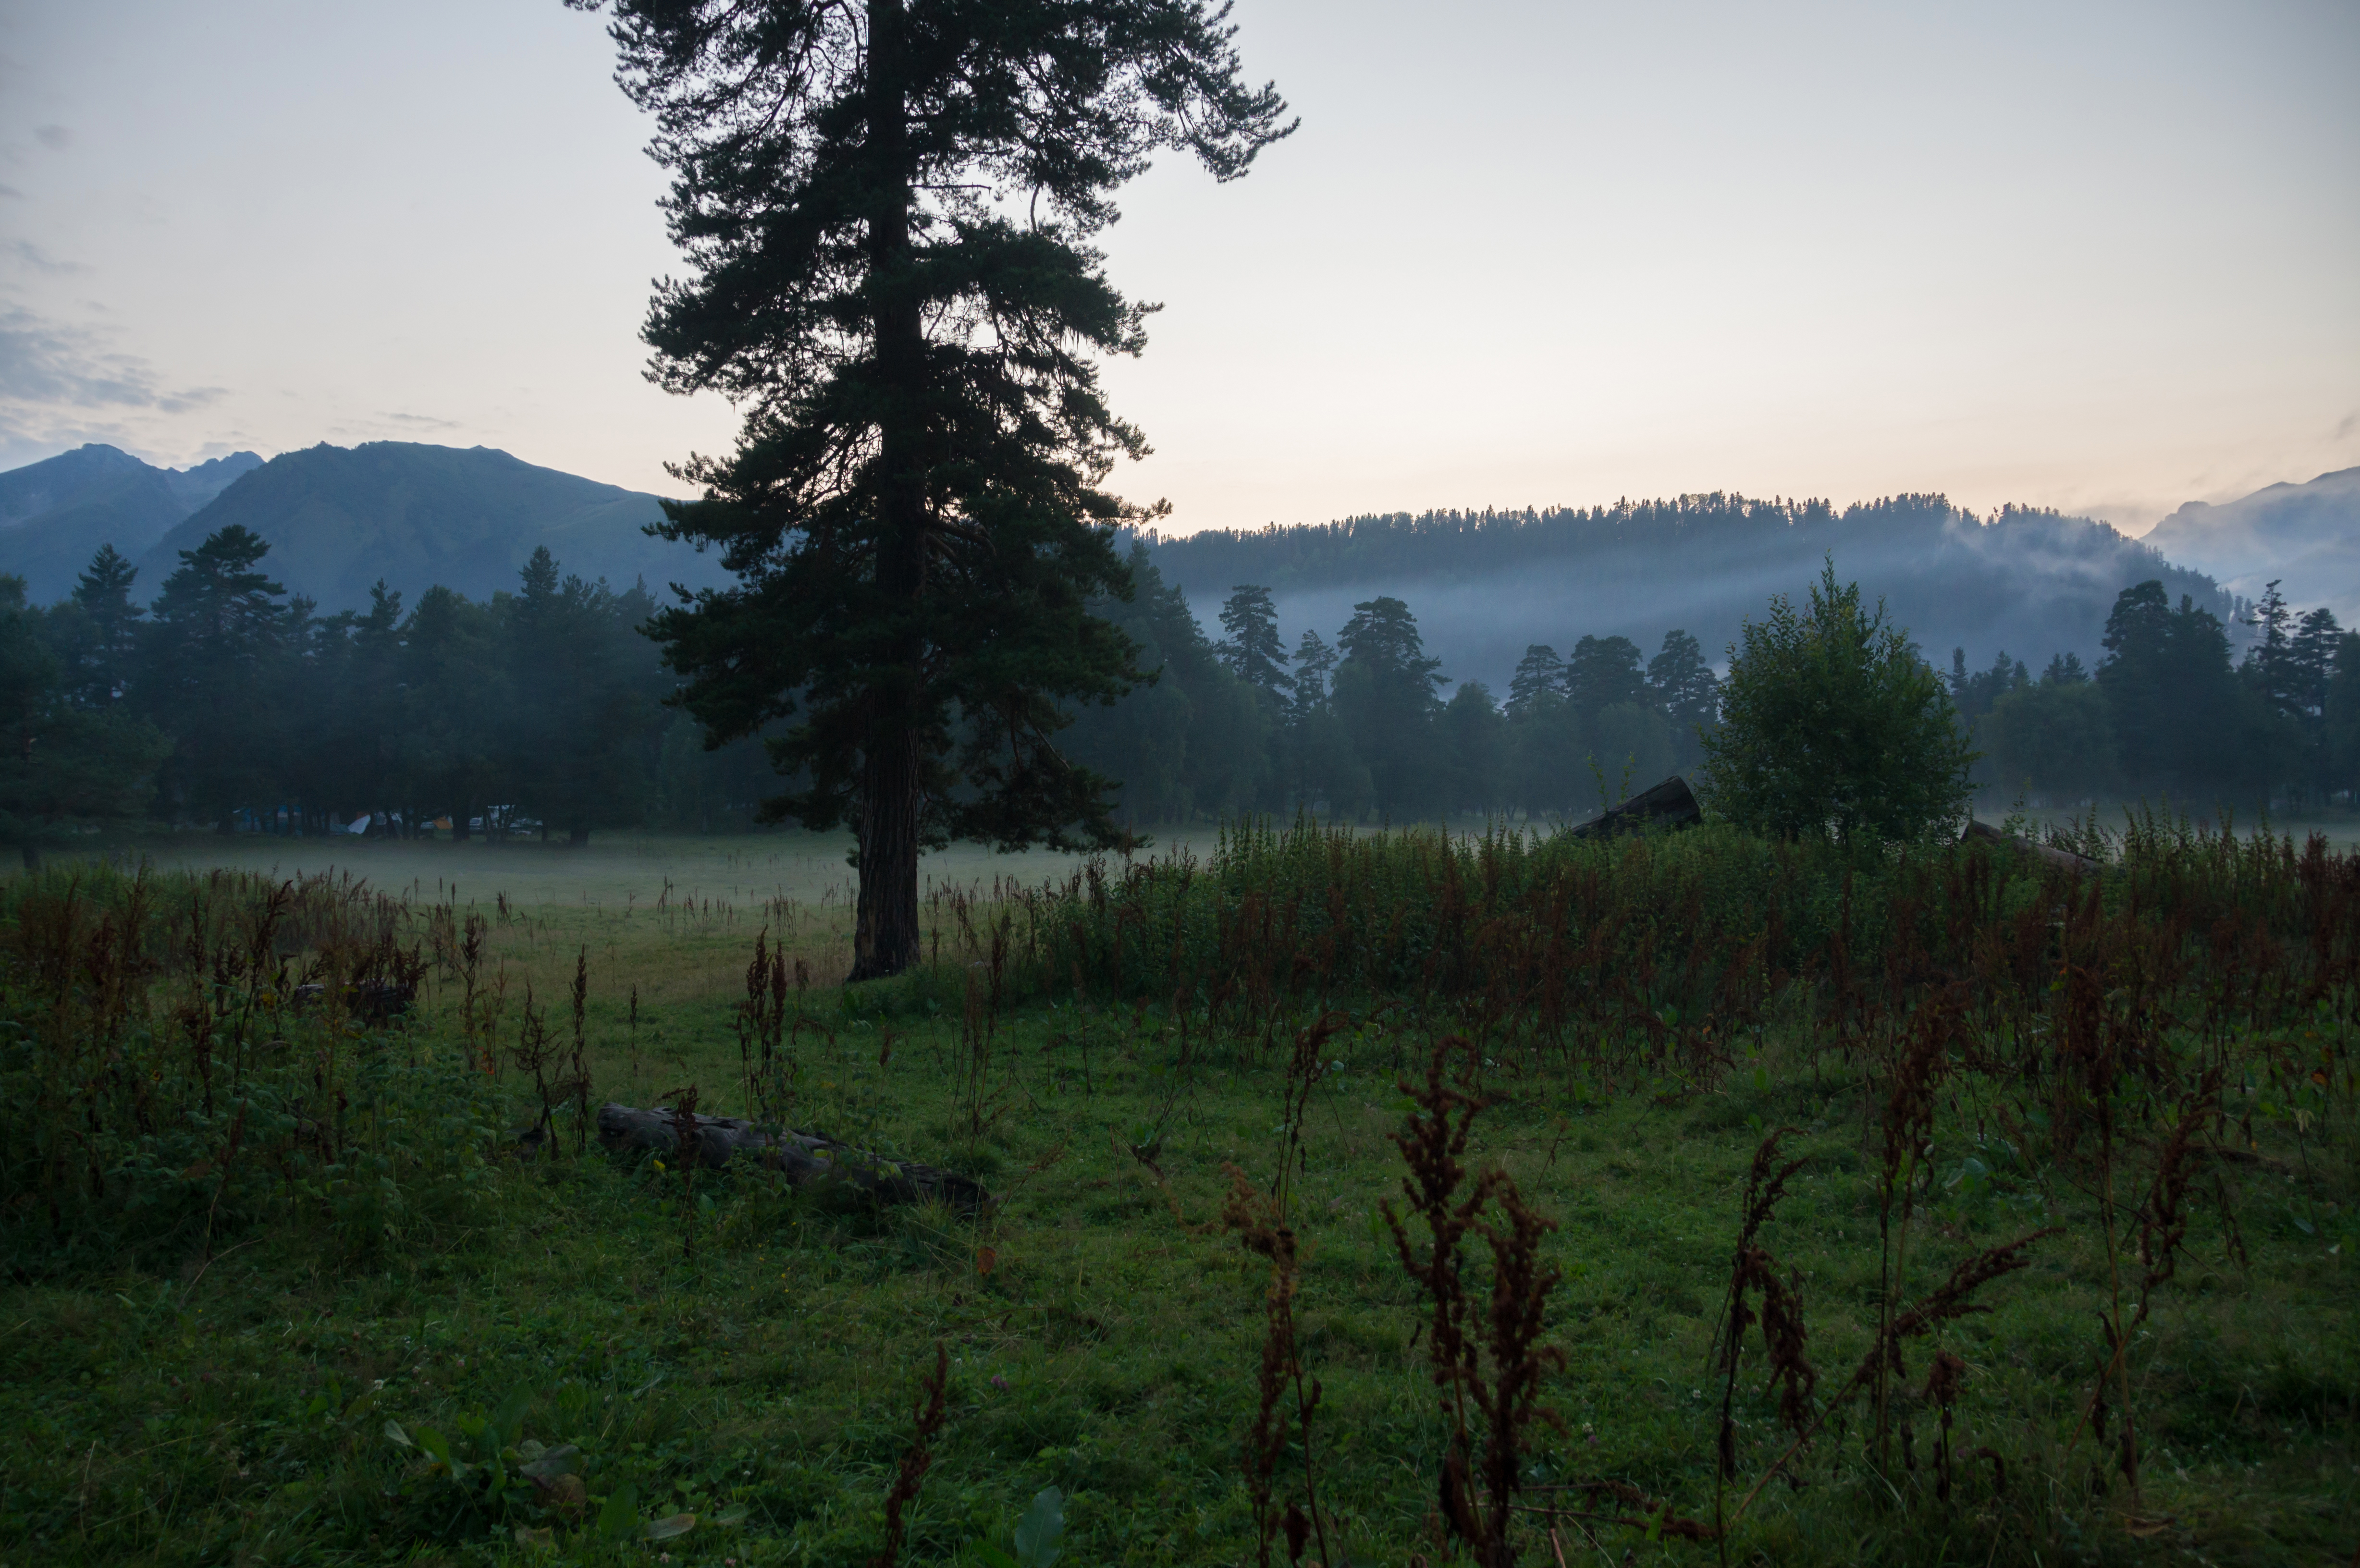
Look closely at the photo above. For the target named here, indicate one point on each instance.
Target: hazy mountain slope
(1484, 586)
(54, 482)
(2305, 536)
(55, 514)
(201, 484)
(339, 518)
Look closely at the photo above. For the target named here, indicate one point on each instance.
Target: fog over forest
(1485, 585)
(402, 634)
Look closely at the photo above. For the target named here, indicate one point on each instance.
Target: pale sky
(2103, 257)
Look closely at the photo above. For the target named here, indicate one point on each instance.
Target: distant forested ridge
(1486, 584)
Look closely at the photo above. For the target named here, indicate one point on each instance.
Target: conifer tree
(2064, 670)
(220, 649)
(1603, 672)
(1539, 670)
(2312, 661)
(1251, 649)
(1313, 660)
(103, 663)
(2269, 663)
(1683, 685)
(61, 759)
(1385, 696)
(2181, 719)
(887, 208)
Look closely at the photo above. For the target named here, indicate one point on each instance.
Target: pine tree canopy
(1684, 684)
(1603, 672)
(1313, 660)
(887, 209)
(1252, 649)
(1539, 670)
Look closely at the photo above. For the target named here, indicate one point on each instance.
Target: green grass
(749, 1356)
(616, 871)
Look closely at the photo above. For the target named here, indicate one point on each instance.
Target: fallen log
(1669, 804)
(2063, 859)
(804, 1159)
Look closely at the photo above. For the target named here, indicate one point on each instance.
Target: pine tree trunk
(885, 936)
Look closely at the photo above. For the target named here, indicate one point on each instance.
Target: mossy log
(804, 1159)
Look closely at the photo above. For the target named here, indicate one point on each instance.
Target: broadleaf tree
(1832, 726)
(887, 209)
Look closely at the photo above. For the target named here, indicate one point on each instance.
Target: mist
(2030, 583)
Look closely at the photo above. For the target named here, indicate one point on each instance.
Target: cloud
(2350, 427)
(39, 260)
(421, 422)
(57, 139)
(10, 193)
(47, 367)
(24, 439)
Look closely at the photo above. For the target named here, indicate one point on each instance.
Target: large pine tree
(219, 658)
(1252, 648)
(888, 207)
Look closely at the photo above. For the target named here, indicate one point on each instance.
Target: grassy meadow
(283, 1287)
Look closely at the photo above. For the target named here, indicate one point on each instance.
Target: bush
(1831, 726)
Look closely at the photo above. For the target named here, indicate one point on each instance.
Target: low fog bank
(1485, 586)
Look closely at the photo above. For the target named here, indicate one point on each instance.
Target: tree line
(2168, 711)
(225, 702)
(1360, 728)
(228, 703)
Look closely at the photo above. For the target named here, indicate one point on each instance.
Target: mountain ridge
(55, 514)
(339, 519)
(2306, 536)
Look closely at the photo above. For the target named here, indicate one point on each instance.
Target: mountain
(55, 514)
(1485, 585)
(339, 518)
(2306, 537)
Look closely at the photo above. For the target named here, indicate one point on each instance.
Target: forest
(1486, 583)
(1363, 725)
(227, 702)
